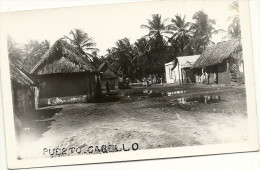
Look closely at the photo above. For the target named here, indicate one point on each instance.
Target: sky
(109, 23)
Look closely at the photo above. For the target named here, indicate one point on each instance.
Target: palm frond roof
(219, 52)
(18, 77)
(107, 70)
(62, 58)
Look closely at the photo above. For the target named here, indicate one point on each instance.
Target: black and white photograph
(127, 81)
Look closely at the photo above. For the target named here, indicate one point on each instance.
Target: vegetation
(234, 28)
(163, 43)
(122, 57)
(14, 52)
(181, 36)
(203, 29)
(34, 51)
(156, 26)
(165, 40)
(82, 42)
(27, 55)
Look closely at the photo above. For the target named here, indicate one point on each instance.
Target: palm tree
(234, 6)
(181, 34)
(82, 42)
(33, 51)
(156, 26)
(234, 28)
(202, 31)
(125, 56)
(124, 45)
(142, 49)
(96, 59)
(15, 53)
(158, 53)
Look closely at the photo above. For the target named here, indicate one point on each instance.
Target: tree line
(165, 40)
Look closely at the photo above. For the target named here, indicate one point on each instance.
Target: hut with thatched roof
(222, 63)
(24, 92)
(64, 72)
(108, 76)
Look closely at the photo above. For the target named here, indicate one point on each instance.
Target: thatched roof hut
(219, 52)
(63, 72)
(24, 92)
(62, 58)
(107, 71)
(108, 76)
(19, 78)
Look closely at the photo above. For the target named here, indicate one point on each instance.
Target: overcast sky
(109, 23)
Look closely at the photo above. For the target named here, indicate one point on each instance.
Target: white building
(180, 72)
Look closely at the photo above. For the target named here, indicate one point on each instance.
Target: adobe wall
(69, 84)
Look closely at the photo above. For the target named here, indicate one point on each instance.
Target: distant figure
(107, 87)
(148, 82)
(215, 78)
(207, 78)
(149, 93)
(127, 81)
(121, 82)
(144, 81)
(154, 80)
(161, 80)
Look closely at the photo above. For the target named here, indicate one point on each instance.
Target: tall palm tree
(142, 49)
(181, 34)
(15, 53)
(159, 31)
(234, 6)
(123, 45)
(33, 52)
(82, 42)
(202, 31)
(125, 57)
(156, 26)
(234, 28)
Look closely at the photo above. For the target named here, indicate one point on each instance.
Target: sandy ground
(174, 116)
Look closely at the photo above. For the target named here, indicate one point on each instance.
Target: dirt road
(165, 119)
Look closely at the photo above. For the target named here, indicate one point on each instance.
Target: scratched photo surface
(128, 78)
